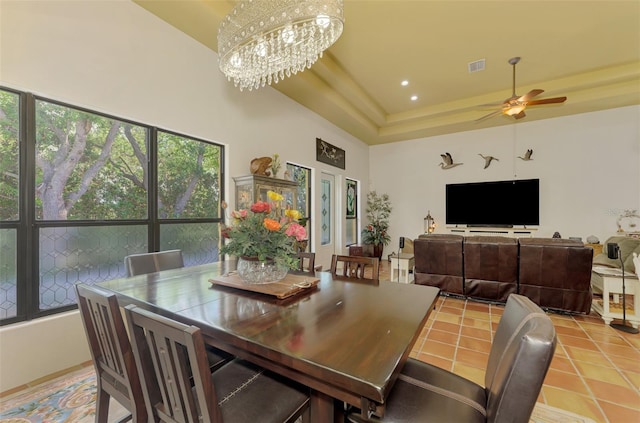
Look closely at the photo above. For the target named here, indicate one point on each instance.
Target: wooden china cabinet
(251, 188)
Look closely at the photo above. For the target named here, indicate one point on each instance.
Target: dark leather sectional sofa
(554, 273)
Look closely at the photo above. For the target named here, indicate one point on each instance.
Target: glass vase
(253, 271)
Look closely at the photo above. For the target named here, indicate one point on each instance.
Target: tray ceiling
(588, 51)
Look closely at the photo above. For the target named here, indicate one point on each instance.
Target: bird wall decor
(527, 155)
(447, 161)
(488, 160)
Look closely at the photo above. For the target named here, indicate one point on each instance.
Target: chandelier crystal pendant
(263, 41)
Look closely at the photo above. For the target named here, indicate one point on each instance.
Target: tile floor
(595, 371)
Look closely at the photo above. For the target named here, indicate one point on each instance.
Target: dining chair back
(178, 385)
(306, 264)
(521, 353)
(116, 371)
(355, 267)
(139, 264)
(520, 356)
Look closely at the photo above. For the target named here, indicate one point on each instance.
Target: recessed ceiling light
(404, 83)
(414, 97)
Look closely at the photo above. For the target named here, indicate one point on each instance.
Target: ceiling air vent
(476, 66)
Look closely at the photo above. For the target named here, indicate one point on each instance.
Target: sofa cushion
(556, 273)
(490, 267)
(438, 262)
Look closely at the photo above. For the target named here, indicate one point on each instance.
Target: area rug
(71, 398)
(68, 398)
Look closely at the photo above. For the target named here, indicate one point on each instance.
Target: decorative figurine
(260, 165)
(527, 155)
(448, 161)
(487, 160)
(592, 239)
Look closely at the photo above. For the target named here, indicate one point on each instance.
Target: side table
(611, 289)
(400, 266)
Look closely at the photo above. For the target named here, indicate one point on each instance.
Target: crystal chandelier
(263, 41)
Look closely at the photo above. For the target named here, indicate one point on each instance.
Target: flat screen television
(498, 204)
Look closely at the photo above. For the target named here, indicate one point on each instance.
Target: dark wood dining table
(347, 341)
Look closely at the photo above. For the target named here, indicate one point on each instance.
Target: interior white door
(326, 226)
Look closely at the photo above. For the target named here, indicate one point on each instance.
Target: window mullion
(152, 190)
(28, 247)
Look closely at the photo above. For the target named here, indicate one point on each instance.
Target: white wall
(34, 349)
(588, 166)
(114, 57)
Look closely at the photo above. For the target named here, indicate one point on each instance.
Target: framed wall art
(329, 154)
(352, 199)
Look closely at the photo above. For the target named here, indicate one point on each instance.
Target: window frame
(28, 227)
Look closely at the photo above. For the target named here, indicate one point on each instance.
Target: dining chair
(166, 350)
(139, 264)
(306, 264)
(116, 372)
(520, 356)
(354, 267)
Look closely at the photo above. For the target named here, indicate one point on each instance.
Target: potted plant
(376, 232)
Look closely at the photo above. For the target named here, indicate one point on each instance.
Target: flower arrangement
(275, 165)
(261, 233)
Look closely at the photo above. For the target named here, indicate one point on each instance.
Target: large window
(10, 133)
(80, 190)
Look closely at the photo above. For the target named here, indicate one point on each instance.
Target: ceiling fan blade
(530, 95)
(519, 115)
(547, 101)
(488, 116)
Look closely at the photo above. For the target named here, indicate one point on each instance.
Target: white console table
(611, 288)
(489, 231)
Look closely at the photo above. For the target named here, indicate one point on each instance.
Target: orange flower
(272, 225)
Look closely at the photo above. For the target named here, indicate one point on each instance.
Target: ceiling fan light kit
(264, 41)
(515, 105)
(514, 108)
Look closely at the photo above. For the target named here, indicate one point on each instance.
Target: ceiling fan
(514, 106)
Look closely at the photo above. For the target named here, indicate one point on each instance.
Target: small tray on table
(285, 288)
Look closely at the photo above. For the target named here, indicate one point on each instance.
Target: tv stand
(492, 226)
(511, 232)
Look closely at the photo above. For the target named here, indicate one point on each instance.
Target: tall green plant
(378, 212)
